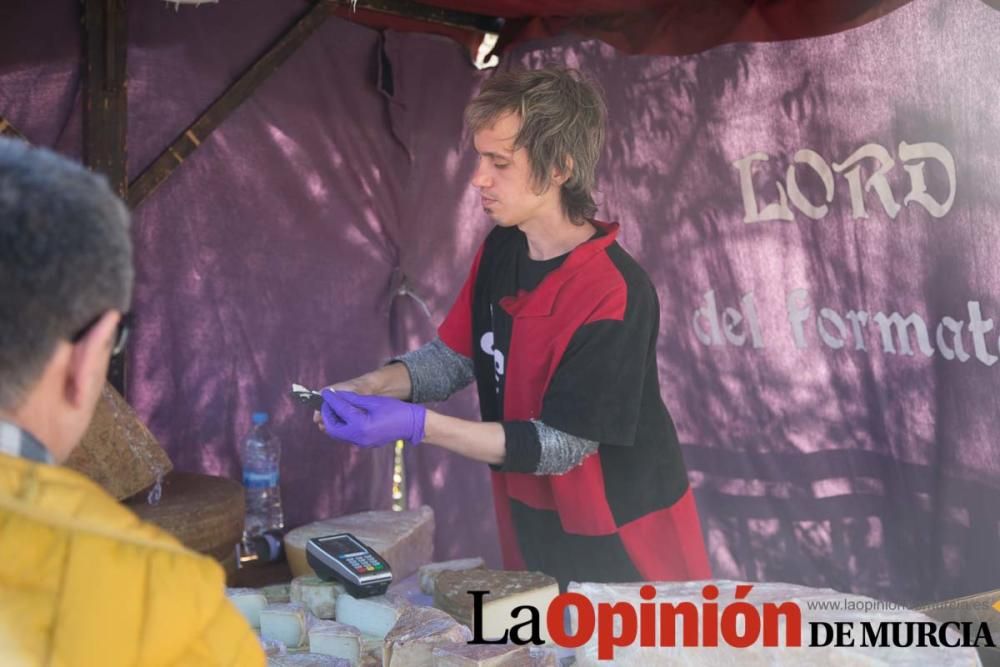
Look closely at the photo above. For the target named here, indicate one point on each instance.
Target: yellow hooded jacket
(83, 581)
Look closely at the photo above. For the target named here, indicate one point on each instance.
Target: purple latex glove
(371, 421)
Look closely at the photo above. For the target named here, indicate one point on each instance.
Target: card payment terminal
(343, 557)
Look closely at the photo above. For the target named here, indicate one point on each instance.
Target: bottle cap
(259, 418)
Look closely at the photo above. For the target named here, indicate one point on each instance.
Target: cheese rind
(249, 601)
(508, 590)
(286, 623)
(404, 539)
(372, 616)
(117, 450)
(318, 596)
(429, 573)
(410, 642)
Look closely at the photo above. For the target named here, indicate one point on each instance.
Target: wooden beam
(8, 130)
(416, 10)
(189, 140)
(105, 108)
(105, 103)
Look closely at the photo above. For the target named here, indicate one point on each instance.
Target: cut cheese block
(118, 451)
(507, 590)
(411, 640)
(372, 616)
(277, 593)
(249, 601)
(429, 573)
(318, 596)
(306, 660)
(336, 639)
(371, 651)
(286, 623)
(480, 655)
(404, 539)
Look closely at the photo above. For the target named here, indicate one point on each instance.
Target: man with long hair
(557, 325)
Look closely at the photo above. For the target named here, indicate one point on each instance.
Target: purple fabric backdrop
(814, 461)
(290, 269)
(820, 451)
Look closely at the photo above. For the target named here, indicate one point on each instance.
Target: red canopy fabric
(667, 27)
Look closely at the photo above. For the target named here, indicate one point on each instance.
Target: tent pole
(105, 108)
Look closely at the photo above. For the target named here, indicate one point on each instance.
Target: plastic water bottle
(261, 458)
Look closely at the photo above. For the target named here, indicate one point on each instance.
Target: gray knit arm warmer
(560, 451)
(436, 371)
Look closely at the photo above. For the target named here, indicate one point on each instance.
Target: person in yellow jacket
(83, 581)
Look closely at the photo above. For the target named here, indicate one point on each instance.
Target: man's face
(503, 176)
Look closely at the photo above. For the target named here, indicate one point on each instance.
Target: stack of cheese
(312, 619)
(369, 631)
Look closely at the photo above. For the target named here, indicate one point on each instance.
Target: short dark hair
(65, 257)
(562, 116)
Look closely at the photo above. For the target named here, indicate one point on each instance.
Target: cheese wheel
(117, 450)
(404, 539)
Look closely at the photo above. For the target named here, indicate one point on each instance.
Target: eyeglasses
(121, 333)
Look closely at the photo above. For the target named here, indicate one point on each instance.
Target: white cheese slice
(508, 590)
(318, 596)
(336, 639)
(429, 573)
(249, 601)
(404, 539)
(286, 623)
(372, 616)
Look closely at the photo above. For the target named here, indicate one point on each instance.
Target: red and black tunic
(571, 342)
